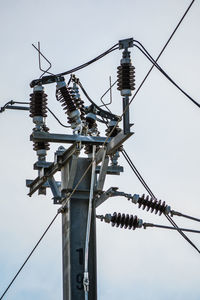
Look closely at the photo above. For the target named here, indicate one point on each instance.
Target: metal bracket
(67, 182)
(103, 172)
(111, 192)
(126, 43)
(53, 168)
(55, 190)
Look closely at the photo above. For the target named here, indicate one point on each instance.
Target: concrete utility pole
(82, 179)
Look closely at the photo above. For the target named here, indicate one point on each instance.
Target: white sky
(152, 264)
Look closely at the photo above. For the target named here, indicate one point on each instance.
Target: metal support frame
(60, 159)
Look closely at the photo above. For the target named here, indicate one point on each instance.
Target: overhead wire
(120, 118)
(139, 176)
(148, 73)
(146, 225)
(113, 48)
(177, 213)
(28, 257)
(149, 57)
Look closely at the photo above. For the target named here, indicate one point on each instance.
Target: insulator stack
(92, 130)
(112, 131)
(91, 120)
(122, 220)
(41, 145)
(126, 74)
(38, 103)
(125, 221)
(126, 77)
(80, 105)
(153, 205)
(67, 98)
(79, 102)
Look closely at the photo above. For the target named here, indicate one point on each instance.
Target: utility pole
(80, 190)
(74, 224)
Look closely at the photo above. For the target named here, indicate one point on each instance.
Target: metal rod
(176, 213)
(17, 107)
(145, 225)
(89, 218)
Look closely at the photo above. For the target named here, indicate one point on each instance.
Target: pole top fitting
(126, 43)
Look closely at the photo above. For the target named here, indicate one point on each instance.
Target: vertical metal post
(126, 122)
(74, 223)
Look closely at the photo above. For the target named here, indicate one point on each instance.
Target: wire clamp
(86, 281)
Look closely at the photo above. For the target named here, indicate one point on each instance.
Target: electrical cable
(84, 65)
(163, 49)
(20, 269)
(53, 78)
(150, 58)
(124, 153)
(109, 114)
(143, 81)
(183, 234)
(139, 176)
(177, 213)
(113, 48)
(66, 126)
(78, 68)
(145, 225)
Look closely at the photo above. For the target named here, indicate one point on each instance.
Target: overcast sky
(144, 264)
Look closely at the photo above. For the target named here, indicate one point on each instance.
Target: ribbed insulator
(124, 221)
(114, 132)
(91, 122)
(88, 149)
(38, 104)
(66, 97)
(126, 77)
(41, 146)
(153, 204)
(80, 105)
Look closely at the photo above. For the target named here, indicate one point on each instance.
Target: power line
(177, 213)
(163, 49)
(53, 78)
(29, 256)
(74, 70)
(143, 81)
(139, 176)
(150, 58)
(145, 225)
